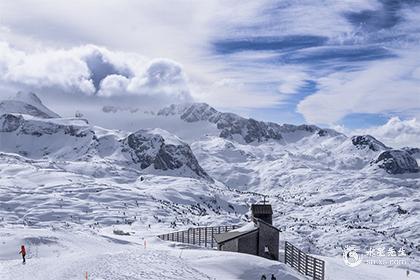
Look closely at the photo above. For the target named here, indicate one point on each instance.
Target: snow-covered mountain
(199, 166)
(234, 127)
(73, 139)
(239, 130)
(26, 103)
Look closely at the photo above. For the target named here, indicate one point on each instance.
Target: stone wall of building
(268, 236)
(248, 243)
(231, 245)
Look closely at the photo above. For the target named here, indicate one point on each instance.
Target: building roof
(261, 209)
(267, 224)
(246, 229)
(226, 236)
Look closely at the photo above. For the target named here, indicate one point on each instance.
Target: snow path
(131, 264)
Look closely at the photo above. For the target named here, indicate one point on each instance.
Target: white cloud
(386, 86)
(94, 70)
(232, 94)
(181, 30)
(45, 69)
(291, 82)
(184, 31)
(396, 133)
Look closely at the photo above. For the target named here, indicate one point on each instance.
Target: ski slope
(103, 255)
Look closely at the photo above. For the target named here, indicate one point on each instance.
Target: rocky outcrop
(18, 124)
(369, 142)
(147, 148)
(397, 162)
(9, 122)
(415, 152)
(39, 138)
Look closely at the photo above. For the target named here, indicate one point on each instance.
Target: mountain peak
(27, 103)
(362, 141)
(27, 97)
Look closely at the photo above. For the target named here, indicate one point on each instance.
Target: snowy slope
(329, 190)
(62, 139)
(70, 255)
(192, 165)
(326, 192)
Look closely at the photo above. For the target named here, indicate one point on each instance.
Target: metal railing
(305, 264)
(201, 236)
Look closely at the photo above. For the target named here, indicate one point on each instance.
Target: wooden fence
(305, 264)
(201, 236)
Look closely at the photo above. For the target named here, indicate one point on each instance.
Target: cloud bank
(396, 132)
(390, 86)
(94, 71)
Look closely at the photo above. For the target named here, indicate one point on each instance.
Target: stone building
(258, 237)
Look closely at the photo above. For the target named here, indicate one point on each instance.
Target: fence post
(212, 237)
(205, 236)
(199, 236)
(314, 274)
(299, 258)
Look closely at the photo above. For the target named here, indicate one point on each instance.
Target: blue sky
(349, 64)
(371, 32)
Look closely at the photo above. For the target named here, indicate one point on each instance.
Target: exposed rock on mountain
(163, 152)
(232, 126)
(9, 122)
(397, 162)
(62, 139)
(367, 141)
(415, 152)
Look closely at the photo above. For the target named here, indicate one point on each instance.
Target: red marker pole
(86, 275)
